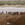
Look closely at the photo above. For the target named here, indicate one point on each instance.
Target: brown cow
(13, 13)
(22, 13)
(16, 19)
(13, 19)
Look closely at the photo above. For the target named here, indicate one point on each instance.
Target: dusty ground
(8, 5)
(13, 5)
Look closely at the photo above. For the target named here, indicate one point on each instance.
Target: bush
(13, 2)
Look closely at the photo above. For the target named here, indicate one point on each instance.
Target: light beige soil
(12, 5)
(8, 5)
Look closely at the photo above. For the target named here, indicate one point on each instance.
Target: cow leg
(2, 24)
(5, 23)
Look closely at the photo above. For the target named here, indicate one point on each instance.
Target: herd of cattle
(12, 18)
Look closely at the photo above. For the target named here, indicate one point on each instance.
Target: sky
(11, 9)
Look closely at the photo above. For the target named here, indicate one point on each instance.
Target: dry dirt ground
(12, 5)
(8, 5)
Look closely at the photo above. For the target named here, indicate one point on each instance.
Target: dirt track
(13, 5)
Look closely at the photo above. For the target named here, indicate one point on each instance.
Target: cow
(12, 19)
(22, 13)
(16, 19)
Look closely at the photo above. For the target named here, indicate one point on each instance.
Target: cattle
(22, 13)
(16, 19)
(12, 19)
(13, 13)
